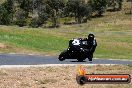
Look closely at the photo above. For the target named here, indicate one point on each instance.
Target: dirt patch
(57, 77)
(7, 48)
(3, 46)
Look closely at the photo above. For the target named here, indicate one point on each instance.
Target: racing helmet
(91, 36)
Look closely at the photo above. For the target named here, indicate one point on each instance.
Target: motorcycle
(76, 50)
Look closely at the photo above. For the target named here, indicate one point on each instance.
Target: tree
(26, 5)
(119, 4)
(98, 6)
(55, 10)
(130, 1)
(6, 12)
(79, 9)
(40, 13)
(23, 8)
(21, 17)
(4, 17)
(41, 17)
(115, 4)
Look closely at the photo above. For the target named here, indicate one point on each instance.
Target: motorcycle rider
(91, 46)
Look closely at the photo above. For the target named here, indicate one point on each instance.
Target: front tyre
(63, 55)
(61, 58)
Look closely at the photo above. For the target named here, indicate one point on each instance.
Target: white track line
(115, 59)
(49, 65)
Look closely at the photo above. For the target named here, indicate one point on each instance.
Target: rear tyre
(90, 57)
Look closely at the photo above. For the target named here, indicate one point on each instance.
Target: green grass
(113, 33)
(32, 39)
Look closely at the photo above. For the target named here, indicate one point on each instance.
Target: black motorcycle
(76, 50)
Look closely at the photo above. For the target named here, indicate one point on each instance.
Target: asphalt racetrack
(20, 59)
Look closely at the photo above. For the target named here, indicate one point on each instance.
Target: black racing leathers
(91, 46)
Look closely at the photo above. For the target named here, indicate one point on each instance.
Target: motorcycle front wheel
(61, 58)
